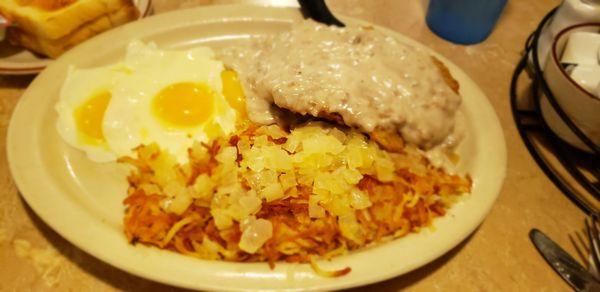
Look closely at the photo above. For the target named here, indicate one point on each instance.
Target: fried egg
(171, 98)
(84, 97)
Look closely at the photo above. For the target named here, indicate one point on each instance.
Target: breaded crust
(47, 5)
(448, 78)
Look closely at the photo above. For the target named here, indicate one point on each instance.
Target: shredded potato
(264, 194)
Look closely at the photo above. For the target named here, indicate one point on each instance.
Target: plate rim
(18, 175)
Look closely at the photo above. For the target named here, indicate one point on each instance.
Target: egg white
(129, 120)
(79, 86)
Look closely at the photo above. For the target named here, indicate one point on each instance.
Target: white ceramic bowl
(580, 105)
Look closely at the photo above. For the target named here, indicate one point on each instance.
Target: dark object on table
(318, 10)
(575, 172)
(464, 21)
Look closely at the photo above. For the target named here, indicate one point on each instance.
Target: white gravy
(370, 79)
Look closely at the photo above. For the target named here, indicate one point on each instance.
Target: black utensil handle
(318, 10)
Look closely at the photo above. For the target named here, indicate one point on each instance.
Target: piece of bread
(56, 47)
(55, 19)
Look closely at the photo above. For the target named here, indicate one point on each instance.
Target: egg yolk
(233, 92)
(213, 130)
(184, 105)
(89, 116)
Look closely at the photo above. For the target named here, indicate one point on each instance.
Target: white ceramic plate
(81, 200)
(17, 61)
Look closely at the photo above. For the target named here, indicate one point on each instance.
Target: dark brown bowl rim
(557, 62)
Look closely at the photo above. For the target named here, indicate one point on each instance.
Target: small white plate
(82, 200)
(18, 61)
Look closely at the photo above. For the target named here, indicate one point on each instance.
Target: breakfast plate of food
(33, 33)
(242, 147)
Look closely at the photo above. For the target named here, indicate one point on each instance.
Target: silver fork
(589, 249)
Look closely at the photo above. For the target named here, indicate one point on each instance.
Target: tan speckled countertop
(498, 256)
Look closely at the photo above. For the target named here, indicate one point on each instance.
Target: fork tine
(595, 226)
(593, 237)
(596, 237)
(579, 248)
(583, 240)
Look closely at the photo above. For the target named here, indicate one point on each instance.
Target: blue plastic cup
(464, 21)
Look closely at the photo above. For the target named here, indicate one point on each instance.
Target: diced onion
(255, 235)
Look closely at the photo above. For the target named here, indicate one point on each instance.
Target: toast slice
(55, 19)
(56, 47)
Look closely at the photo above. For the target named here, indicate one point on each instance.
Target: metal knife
(562, 263)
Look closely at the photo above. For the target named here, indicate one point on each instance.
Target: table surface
(498, 256)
